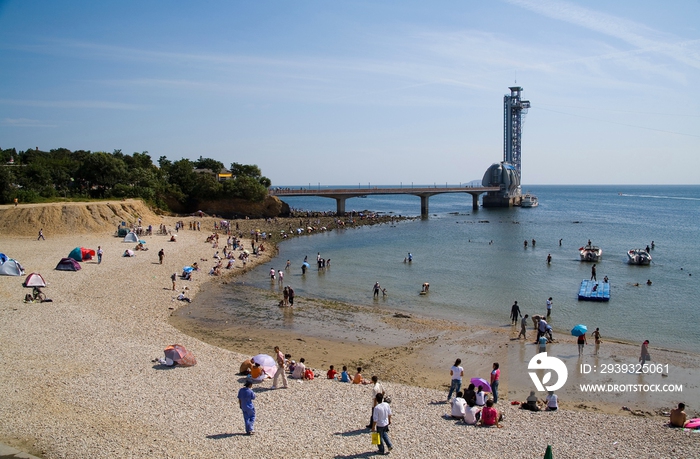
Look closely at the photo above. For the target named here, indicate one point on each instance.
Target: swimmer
(648, 281)
(426, 287)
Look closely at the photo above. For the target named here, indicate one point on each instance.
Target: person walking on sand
(377, 388)
(99, 254)
(523, 326)
(596, 338)
(381, 420)
(549, 307)
(593, 276)
(161, 255)
(515, 313)
(245, 402)
(41, 235)
(644, 357)
(581, 344)
(173, 278)
(457, 373)
(279, 358)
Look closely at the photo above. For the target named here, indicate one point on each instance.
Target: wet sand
(418, 350)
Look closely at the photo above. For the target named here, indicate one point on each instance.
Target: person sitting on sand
(246, 366)
(358, 379)
(678, 417)
(480, 397)
(490, 416)
(470, 394)
(552, 401)
(472, 413)
(299, 369)
(344, 376)
(172, 238)
(458, 405)
(195, 266)
(257, 373)
(183, 297)
(331, 374)
(531, 403)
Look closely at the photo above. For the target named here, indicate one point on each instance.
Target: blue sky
(361, 91)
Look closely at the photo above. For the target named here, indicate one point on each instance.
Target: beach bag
(376, 438)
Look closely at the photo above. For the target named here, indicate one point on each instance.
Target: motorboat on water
(529, 200)
(638, 257)
(591, 253)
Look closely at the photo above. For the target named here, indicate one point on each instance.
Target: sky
(362, 92)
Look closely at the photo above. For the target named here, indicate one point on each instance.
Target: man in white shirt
(458, 406)
(377, 388)
(549, 307)
(381, 420)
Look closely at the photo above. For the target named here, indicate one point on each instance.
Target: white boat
(638, 257)
(591, 253)
(529, 200)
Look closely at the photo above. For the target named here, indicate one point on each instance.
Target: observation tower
(507, 173)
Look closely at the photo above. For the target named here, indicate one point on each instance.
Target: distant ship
(529, 200)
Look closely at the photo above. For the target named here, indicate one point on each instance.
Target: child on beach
(331, 373)
(344, 376)
(358, 379)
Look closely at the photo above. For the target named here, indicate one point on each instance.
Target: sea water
(477, 264)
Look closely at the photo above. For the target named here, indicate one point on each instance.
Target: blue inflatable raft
(594, 291)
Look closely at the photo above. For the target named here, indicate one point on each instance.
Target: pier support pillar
(475, 201)
(340, 206)
(424, 206)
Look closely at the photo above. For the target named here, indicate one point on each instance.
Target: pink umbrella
(267, 363)
(481, 382)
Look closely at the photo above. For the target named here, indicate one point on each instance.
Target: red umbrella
(178, 354)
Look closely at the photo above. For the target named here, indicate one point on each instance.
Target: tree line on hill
(38, 176)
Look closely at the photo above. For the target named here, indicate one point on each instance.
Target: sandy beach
(79, 382)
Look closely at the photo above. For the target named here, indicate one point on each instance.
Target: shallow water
(472, 279)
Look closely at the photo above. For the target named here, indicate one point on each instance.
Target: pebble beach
(78, 378)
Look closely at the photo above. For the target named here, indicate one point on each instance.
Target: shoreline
(80, 382)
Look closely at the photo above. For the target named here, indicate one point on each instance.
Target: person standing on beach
(173, 278)
(549, 307)
(99, 254)
(457, 372)
(285, 296)
(644, 357)
(291, 296)
(523, 326)
(279, 357)
(515, 313)
(41, 235)
(381, 420)
(495, 378)
(161, 255)
(593, 276)
(245, 402)
(596, 338)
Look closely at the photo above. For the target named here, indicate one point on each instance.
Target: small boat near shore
(590, 253)
(638, 257)
(529, 200)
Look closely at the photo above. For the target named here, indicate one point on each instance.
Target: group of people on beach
(473, 406)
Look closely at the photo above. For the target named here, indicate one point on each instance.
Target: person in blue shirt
(344, 376)
(245, 401)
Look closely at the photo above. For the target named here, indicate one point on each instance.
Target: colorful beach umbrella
(267, 363)
(579, 330)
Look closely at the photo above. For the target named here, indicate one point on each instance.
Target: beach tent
(81, 254)
(178, 354)
(34, 280)
(11, 268)
(68, 264)
(131, 237)
(3, 258)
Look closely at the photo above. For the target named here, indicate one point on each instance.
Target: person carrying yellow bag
(380, 424)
